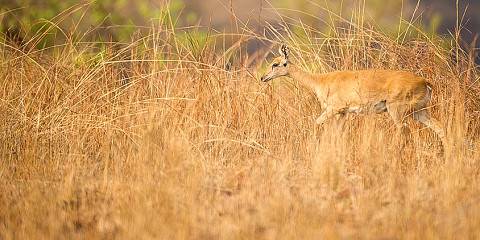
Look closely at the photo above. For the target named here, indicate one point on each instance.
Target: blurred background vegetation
(107, 20)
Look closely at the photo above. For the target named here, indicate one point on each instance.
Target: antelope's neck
(303, 77)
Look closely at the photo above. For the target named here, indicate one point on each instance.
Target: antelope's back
(373, 85)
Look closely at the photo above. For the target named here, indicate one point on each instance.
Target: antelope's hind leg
(423, 117)
(398, 112)
(380, 107)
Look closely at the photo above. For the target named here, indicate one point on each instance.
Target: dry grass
(166, 143)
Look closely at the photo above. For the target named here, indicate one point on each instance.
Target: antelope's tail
(428, 94)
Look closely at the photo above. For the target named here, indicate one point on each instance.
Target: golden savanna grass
(169, 138)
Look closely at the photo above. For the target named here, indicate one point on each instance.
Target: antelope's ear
(284, 51)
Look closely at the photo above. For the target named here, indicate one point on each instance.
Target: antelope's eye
(275, 65)
(285, 64)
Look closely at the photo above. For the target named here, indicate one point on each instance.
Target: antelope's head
(279, 66)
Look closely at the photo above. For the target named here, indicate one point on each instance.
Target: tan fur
(399, 93)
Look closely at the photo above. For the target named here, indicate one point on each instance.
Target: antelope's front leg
(328, 113)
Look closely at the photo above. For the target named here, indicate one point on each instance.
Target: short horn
(284, 51)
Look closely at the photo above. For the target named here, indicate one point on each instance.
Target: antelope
(400, 93)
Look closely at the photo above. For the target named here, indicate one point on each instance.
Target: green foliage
(108, 20)
(115, 20)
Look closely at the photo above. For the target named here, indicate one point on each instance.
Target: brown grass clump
(166, 138)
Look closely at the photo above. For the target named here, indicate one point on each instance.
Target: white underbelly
(377, 107)
(355, 109)
(352, 109)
